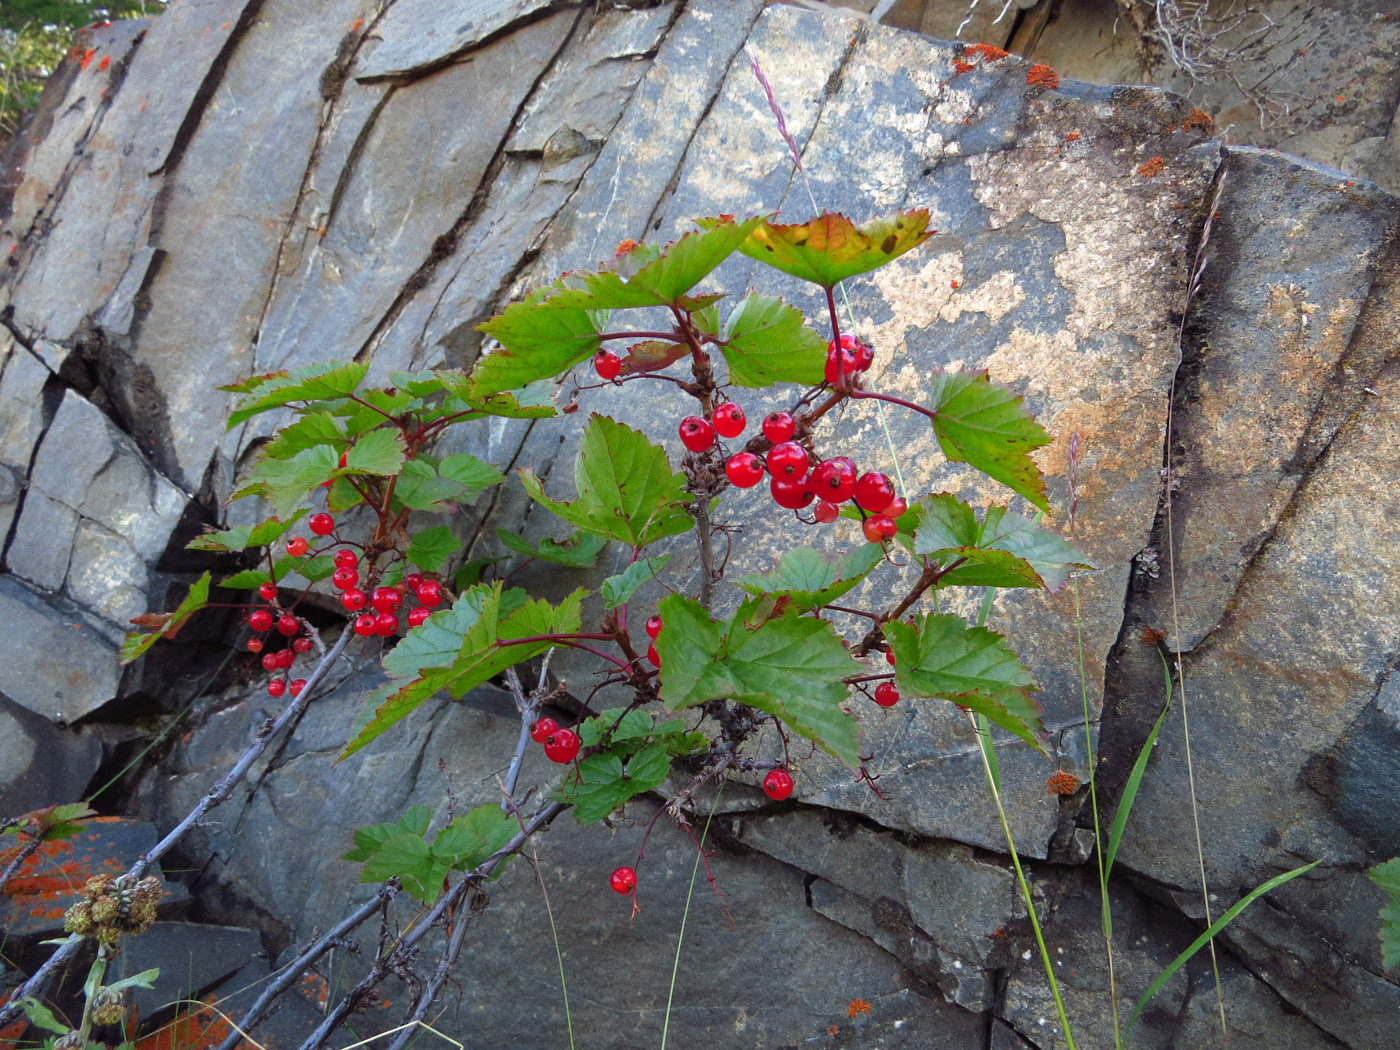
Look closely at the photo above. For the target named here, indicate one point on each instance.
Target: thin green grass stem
(1105, 908)
(685, 914)
(558, 954)
(1030, 903)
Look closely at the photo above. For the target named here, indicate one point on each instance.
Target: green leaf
(578, 551)
(378, 452)
(1387, 877)
(420, 487)
(41, 1015)
(247, 580)
(1004, 550)
(313, 428)
(536, 343)
(136, 643)
(474, 836)
(469, 575)
(533, 401)
(828, 249)
(431, 547)
(320, 382)
(766, 341)
(471, 473)
(408, 857)
(788, 665)
(813, 579)
(604, 783)
(626, 489)
(462, 647)
(985, 425)
(618, 589)
(244, 536)
(1211, 932)
(665, 280)
(286, 482)
(971, 666)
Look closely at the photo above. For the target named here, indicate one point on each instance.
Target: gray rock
(192, 958)
(1268, 393)
(41, 765)
(96, 516)
(1358, 778)
(415, 39)
(56, 663)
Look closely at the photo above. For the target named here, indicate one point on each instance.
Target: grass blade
(1125, 804)
(1214, 928)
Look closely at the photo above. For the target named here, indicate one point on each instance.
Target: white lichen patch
(955, 107)
(995, 297)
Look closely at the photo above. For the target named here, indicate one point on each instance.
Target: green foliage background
(34, 35)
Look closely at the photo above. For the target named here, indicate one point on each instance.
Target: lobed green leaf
(813, 579)
(828, 249)
(786, 664)
(618, 589)
(986, 426)
(136, 643)
(319, 382)
(766, 341)
(973, 667)
(626, 488)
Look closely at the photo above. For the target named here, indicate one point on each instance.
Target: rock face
(234, 188)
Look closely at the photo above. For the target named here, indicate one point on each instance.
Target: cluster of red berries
(384, 601)
(653, 628)
(560, 745)
(289, 626)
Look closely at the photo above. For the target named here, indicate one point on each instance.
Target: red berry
(729, 419)
(624, 880)
(826, 512)
(543, 728)
(653, 655)
(778, 784)
(792, 494)
(260, 620)
(430, 593)
(865, 356)
(779, 427)
(386, 600)
(897, 507)
(345, 558)
(874, 492)
(562, 746)
(296, 686)
(296, 546)
(269, 661)
(301, 645)
(886, 694)
(321, 524)
(879, 528)
(353, 599)
(889, 657)
(285, 658)
(654, 625)
(386, 623)
(255, 645)
(413, 581)
(834, 480)
(288, 625)
(364, 625)
(696, 433)
(744, 470)
(607, 364)
(839, 364)
(276, 687)
(418, 615)
(344, 579)
(267, 592)
(788, 460)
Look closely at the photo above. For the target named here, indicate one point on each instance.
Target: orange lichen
(625, 246)
(1072, 136)
(954, 285)
(1152, 636)
(830, 1031)
(1151, 167)
(106, 61)
(355, 25)
(857, 1008)
(315, 988)
(203, 1029)
(1198, 120)
(87, 57)
(1042, 76)
(987, 51)
(1062, 783)
(960, 67)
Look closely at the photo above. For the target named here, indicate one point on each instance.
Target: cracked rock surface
(260, 185)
